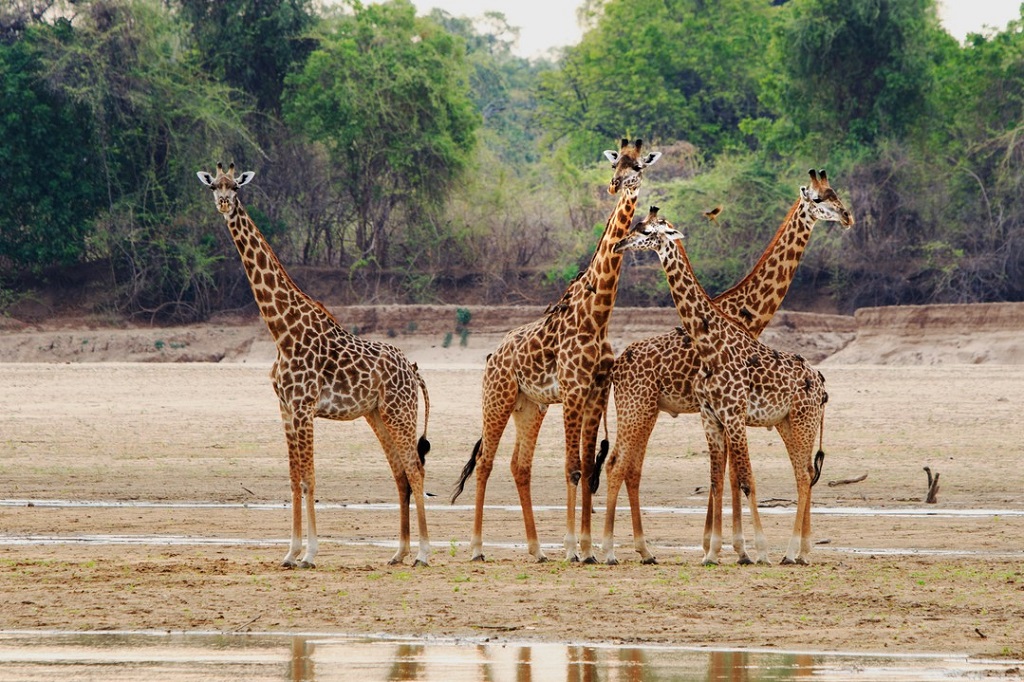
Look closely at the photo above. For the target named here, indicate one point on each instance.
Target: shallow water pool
(179, 657)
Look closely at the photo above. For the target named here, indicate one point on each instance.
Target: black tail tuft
(818, 460)
(595, 476)
(466, 472)
(422, 448)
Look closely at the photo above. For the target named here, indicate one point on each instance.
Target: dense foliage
(419, 159)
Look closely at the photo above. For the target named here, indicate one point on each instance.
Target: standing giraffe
(322, 370)
(741, 382)
(656, 374)
(564, 358)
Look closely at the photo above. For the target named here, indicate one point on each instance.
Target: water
(183, 657)
(910, 512)
(184, 540)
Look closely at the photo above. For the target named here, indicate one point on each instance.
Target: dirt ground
(890, 573)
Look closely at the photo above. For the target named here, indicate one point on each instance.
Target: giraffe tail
(466, 472)
(595, 476)
(423, 445)
(819, 458)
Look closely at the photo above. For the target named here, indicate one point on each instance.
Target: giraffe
(564, 357)
(741, 382)
(656, 374)
(322, 370)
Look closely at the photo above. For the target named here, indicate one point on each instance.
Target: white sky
(545, 24)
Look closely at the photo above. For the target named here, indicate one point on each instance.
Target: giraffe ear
(205, 178)
(611, 155)
(245, 178)
(806, 194)
(651, 158)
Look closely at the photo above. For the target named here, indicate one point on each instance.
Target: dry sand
(886, 579)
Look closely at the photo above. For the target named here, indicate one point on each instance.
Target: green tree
(387, 94)
(977, 137)
(664, 69)
(48, 161)
(502, 86)
(252, 44)
(156, 118)
(849, 72)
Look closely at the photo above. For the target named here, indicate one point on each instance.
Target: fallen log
(846, 481)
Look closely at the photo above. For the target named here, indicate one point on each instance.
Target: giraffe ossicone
(323, 370)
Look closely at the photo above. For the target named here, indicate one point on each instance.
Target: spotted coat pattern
(741, 382)
(656, 374)
(322, 370)
(565, 358)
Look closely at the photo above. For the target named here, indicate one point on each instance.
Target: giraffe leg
(395, 427)
(528, 417)
(636, 415)
(639, 542)
(401, 483)
(572, 418)
(715, 435)
(798, 433)
(500, 393)
(416, 478)
(404, 537)
(741, 477)
(312, 546)
(595, 410)
(738, 542)
(614, 482)
(298, 428)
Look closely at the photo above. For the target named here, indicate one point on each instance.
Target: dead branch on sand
(846, 481)
(933, 486)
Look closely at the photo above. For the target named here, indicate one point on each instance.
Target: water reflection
(112, 657)
(302, 660)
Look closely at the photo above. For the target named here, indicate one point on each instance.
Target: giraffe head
(650, 234)
(823, 202)
(629, 164)
(225, 187)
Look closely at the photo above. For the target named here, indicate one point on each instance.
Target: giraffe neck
(700, 319)
(601, 279)
(282, 305)
(753, 301)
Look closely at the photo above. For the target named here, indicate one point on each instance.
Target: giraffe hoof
(418, 563)
(709, 562)
(649, 561)
(590, 560)
(478, 557)
(395, 562)
(765, 561)
(744, 561)
(611, 561)
(306, 564)
(786, 561)
(289, 563)
(542, 559)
